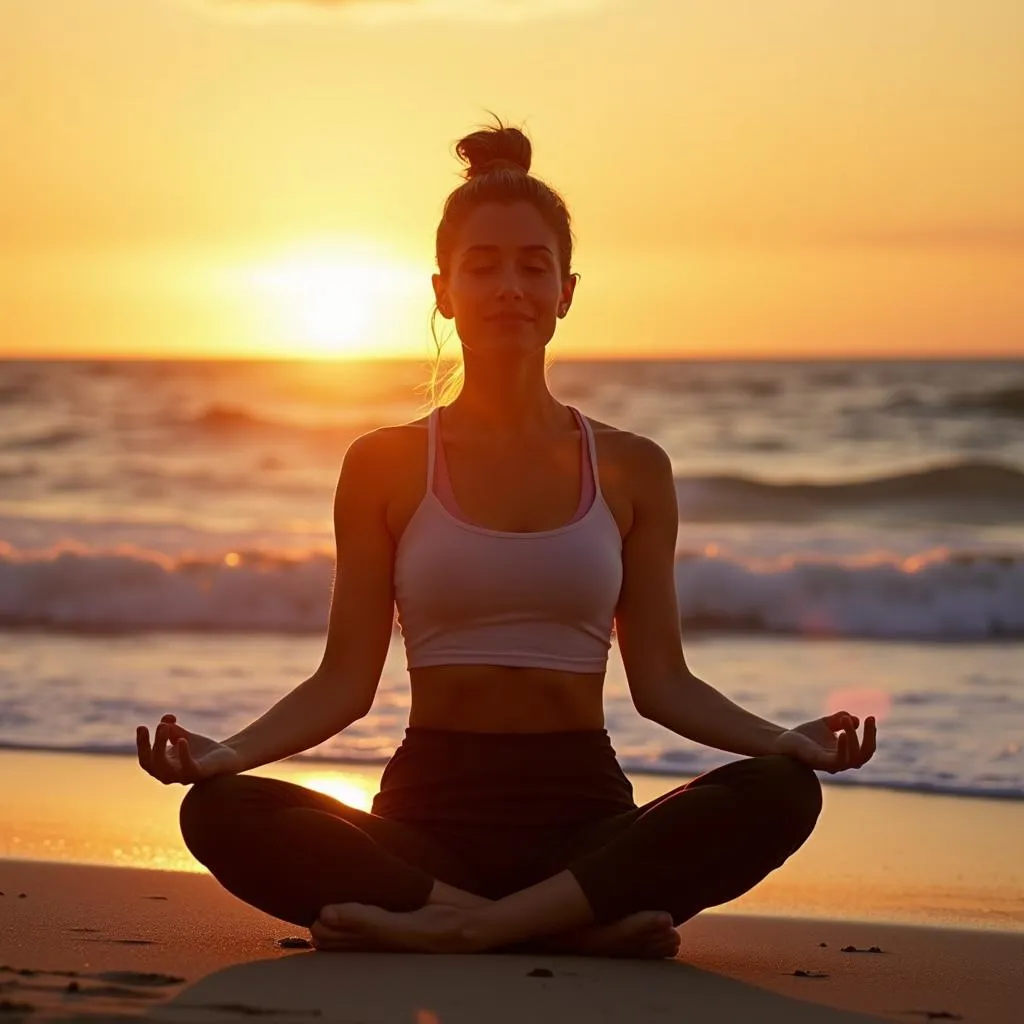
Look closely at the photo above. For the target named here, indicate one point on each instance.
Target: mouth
(509, 319)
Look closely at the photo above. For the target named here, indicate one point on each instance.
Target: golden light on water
(346, 788)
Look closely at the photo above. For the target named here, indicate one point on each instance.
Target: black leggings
(494, 813)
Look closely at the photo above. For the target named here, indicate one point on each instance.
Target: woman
(511, 532)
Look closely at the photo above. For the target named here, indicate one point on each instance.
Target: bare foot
(434, 928)
(646, 935)
(438, 928)
(328, 939)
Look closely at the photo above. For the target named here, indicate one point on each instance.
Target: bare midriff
(496, 698)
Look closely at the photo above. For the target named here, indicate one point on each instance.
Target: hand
(189, 757)
(815, 742)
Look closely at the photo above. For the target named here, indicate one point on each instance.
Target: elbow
(340, 704)
(667, 701)
(349, 710)
(651, 710)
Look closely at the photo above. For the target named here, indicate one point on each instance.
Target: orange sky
(773, 177)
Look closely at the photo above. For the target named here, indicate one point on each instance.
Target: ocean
(851, 535)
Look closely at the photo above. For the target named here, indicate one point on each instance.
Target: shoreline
(875, 856)
(645, 777)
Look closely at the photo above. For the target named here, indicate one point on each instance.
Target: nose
(509, 284)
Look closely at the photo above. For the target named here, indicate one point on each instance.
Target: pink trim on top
(437, 473)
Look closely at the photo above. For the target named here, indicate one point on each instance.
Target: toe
(331, 913)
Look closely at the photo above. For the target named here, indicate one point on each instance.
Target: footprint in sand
(147, 978)
(127, 942)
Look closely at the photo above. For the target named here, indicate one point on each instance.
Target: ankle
(446, 895)
(472, 931)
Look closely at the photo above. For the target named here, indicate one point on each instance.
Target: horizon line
(651, 357)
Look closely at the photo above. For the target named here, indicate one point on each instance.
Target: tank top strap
(432, 421)
(591, 448)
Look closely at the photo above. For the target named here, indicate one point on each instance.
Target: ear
(568, 290)
(441, 295)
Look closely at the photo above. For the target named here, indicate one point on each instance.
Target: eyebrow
(495, 248)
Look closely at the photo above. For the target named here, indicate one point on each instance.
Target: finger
(143, 747)
(162, 768)
(169, 718)
(852, 746)
(867, 749)
(190, 771)
(839, 763)
(839, 720)
(175, 732)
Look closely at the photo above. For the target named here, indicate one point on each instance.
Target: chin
(501, 344)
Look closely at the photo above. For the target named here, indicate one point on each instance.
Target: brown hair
(497, 160)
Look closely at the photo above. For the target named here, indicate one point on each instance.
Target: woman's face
(504, 287)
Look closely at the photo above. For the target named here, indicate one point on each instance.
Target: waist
(498, 698)
(452, 777)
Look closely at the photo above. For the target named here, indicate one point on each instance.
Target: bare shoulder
(380, 447)
(380, 465)
(634, 456)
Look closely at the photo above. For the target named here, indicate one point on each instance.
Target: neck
(510, 398)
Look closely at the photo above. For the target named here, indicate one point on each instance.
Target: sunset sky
(751, 179)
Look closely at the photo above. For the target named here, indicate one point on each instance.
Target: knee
(206, 813)
(791, 791)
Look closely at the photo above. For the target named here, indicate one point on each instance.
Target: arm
(647, 623)
(342, 688)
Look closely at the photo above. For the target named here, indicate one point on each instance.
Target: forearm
(699, 712)
(311, 713)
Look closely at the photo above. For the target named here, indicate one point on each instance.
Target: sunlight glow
(340, 300)
(345, 788)
(860, 701)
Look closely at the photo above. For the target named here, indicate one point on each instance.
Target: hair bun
(491, 148)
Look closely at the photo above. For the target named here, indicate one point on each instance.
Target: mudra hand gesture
(178, 755)
(816, 742)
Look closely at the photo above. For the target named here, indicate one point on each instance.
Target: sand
(111, 940)
(140, 944)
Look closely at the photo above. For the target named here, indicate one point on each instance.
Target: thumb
(810, 752)
(840, 718)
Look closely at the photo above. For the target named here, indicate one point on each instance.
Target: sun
(348, 300)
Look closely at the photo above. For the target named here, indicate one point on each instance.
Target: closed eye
(487, 270)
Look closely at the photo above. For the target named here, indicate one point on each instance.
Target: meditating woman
(511, 532)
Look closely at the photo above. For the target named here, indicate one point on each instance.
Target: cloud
(397, 11)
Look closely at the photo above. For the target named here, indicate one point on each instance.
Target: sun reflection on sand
(349, 789)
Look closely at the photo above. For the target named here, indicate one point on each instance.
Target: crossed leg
(698, 846)
(618, 888)
(289, 851)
